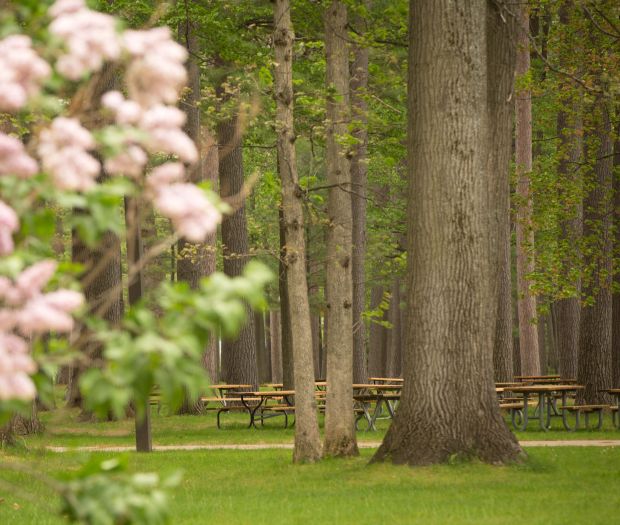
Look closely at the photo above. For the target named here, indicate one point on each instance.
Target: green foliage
(165, 351)
(102, 493)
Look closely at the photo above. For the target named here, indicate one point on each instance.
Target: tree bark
(262, 353)
(307, 439)
(526, 301)
(340, 437)
(594, 369)
(501, 62)
(393, 339)
(288, 377)
(239, 355)
(276, 346)
(448, 404)
(377, 338)
(616, 297)
(359, 182)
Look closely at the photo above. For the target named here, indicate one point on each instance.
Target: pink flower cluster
(22, 72)
(90, 37)
(186, 205)
(28, 311)
(15, 367)
(8, 225)
(13, 158)
(156, 73)
(63, 152)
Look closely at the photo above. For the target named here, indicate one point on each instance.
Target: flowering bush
(137, 140)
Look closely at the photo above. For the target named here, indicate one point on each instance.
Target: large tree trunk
(526, 301)
(501, 62)
(307, 439)
(449, 405)
(359, 182)
(616, 297)
(239, 355)
(595, 338)
(340, 437)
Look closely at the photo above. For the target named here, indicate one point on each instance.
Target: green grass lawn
(62, 428)
(555, 486)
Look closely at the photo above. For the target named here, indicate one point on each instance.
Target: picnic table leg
(524, 417)
(376, 413)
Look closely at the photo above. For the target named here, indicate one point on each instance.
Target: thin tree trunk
(448, 404)
(526, 301)
(501, 62)
(191, 256)
(359, 182)
(340, 437)
(262, 353)
(135, 292)
(239, 355)
(307, 439)
(376, 343)
(288, 376)
(394, 340)
(276, 346)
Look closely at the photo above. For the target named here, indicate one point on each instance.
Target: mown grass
(63, 428)
(554, 486)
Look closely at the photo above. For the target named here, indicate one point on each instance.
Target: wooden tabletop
(392, 379)
(229, 387)
(542, 388)
(613, 390)
(376, 387)
(553, 376)
(272, 393)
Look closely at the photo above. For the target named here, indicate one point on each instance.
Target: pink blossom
(32, 280)
(130, 162)
(8, 225)
(62, 149)
(162, 123)
(156, 73)
(90, 38)
(165, 174)
(38, 316)
(8, 319)
(22, 72)
(192, 214)
(15, 365)
(13, 158)
(125, 111)
(64, 300)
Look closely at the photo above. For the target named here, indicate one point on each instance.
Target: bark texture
(340, 437)
(288, 377)
(616, 297)
(359, 183)
(307, 439)
(595, 362)
(238, 356)
(501, 61)
(448, 404)
(526, 301)
(566, 312)
(377, 338)
(275, 347)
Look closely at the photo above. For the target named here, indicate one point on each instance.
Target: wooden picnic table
(546, 407)
(262, 396)
(372, 386)
(530, 378)
(386, 379)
